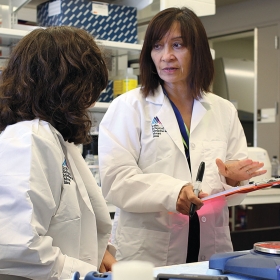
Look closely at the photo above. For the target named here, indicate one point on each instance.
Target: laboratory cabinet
(117, 52)
(117, 56)
(256, 219)
(250, 30)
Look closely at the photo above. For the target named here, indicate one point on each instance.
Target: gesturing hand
(240, 170)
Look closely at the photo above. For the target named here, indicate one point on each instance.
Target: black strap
(194, 239)
(181, 126)
(194, 226)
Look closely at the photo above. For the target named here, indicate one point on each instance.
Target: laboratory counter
(263, 196)
(199, 268)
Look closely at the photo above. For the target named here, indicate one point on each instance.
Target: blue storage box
(107, 94)
(118, 24)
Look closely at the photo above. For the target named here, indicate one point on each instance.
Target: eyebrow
(173, 38)
(179, 37)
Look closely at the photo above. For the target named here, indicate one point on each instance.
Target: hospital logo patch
(67, 177)
(157, 127)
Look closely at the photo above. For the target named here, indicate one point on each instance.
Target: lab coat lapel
(167, 117)
(78, 179)
(92, 197)
(200, 108)
(68, 153)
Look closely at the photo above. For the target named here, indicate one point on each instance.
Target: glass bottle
(274, 166)
(92, 162)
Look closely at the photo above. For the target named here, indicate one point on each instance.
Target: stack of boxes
(104, 21)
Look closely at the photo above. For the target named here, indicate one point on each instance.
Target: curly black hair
(54, 74)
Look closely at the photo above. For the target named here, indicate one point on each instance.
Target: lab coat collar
(157, 97)
(200, 108)
(168, 118)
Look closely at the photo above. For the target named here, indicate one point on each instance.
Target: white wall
(246, 16)
(28, 14)
(228, 19)
(242, 16)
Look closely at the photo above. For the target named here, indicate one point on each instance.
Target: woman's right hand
(186, 197)
(107, 262)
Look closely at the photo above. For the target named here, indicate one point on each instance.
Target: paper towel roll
(132, 270)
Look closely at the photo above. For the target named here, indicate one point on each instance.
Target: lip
(169, 69)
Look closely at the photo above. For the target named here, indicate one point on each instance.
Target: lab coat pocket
(68, 208)
(67, 221)
(211, 151)
(223, 240)
(136, 244)
(214, 149)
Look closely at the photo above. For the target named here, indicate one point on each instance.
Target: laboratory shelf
(10, 36)
(11, 33)
(263, 196)
(100, 107)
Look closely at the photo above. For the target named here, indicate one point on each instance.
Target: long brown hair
(194, 37)
(54, 74)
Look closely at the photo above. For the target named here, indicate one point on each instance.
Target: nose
(167, 54)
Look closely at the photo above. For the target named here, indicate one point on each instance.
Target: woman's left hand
(107, 262)
(240, 170)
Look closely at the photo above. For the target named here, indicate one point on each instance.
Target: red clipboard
(272, 182)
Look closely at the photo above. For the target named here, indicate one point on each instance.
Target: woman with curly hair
(53, 217)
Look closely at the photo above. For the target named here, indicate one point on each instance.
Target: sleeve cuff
(72, 265)
(111, 249)
(172, 199)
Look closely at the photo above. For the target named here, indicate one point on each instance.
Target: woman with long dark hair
(153, 139)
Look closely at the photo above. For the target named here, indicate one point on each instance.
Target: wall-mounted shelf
(100, 107)
(263, 196)
(10, 36)
(16, 34)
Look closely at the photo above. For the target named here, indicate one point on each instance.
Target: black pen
(196, 188)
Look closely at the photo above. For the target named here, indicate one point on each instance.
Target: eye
(156, 46)
(177, 45)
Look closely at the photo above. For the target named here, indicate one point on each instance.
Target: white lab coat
(53, 217)
(143, 168)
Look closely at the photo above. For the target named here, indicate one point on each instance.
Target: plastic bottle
(118, 84)
(274, 166)
(124, 82)
(89, 158)
(130, 81)
(92, 162)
